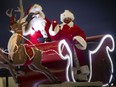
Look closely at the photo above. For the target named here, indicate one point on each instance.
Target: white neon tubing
(107, 50)
(68, 58)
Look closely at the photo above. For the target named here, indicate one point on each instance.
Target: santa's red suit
(38, 26)
(35, 26)
(37, 36)
(68, 33)
(76, 39)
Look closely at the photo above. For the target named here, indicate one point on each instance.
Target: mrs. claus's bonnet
(66, 14)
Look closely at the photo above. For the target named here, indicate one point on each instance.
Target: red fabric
(28, 9)
(12, 20)
(48, 23)
(68, 33)
(36, 35)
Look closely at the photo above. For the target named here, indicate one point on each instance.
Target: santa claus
(36, 25)
(76, 40)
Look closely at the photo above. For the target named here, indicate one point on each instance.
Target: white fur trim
(55, 31)
(66, 14)
(84, 69)
(81, 77)
(82, 43)
(35, 8)
(40, 15)
(71, 24)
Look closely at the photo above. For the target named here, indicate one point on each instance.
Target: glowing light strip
(68, 57)
(107, 50)
(29, 42)
(30, 58)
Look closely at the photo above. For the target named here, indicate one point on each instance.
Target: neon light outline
(107, 50)
(68, 57)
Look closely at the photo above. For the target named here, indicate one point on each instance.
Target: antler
(21, 10)
(9, 14)
(17, 25)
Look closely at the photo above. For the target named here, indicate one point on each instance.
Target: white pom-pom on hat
(35, 8)
(66, 14)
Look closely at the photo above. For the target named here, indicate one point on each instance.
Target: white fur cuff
(82, 43)
(54, 31)
(84, 69)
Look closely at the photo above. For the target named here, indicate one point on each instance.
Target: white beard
(37, 24)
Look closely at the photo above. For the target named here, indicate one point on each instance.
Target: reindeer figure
(18, 52)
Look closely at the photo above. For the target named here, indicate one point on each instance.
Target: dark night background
(95, 17)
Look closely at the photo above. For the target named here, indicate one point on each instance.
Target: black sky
(93, 16)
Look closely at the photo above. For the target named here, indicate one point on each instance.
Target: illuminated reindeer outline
(18, 54)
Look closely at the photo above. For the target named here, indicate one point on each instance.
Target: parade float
(49, 63)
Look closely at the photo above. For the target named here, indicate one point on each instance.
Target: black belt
(42, 40)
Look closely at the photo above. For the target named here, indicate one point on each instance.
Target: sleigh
(54, 59)
(51, 58)
(97, 55)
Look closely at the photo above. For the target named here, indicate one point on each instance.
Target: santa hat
(36, 8)
(66, 14)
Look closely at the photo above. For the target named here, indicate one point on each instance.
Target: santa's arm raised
(54, 28)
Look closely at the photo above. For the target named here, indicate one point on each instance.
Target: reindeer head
(16, 25)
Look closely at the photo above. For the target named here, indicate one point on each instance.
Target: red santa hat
(36, 8)
(66, 14)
